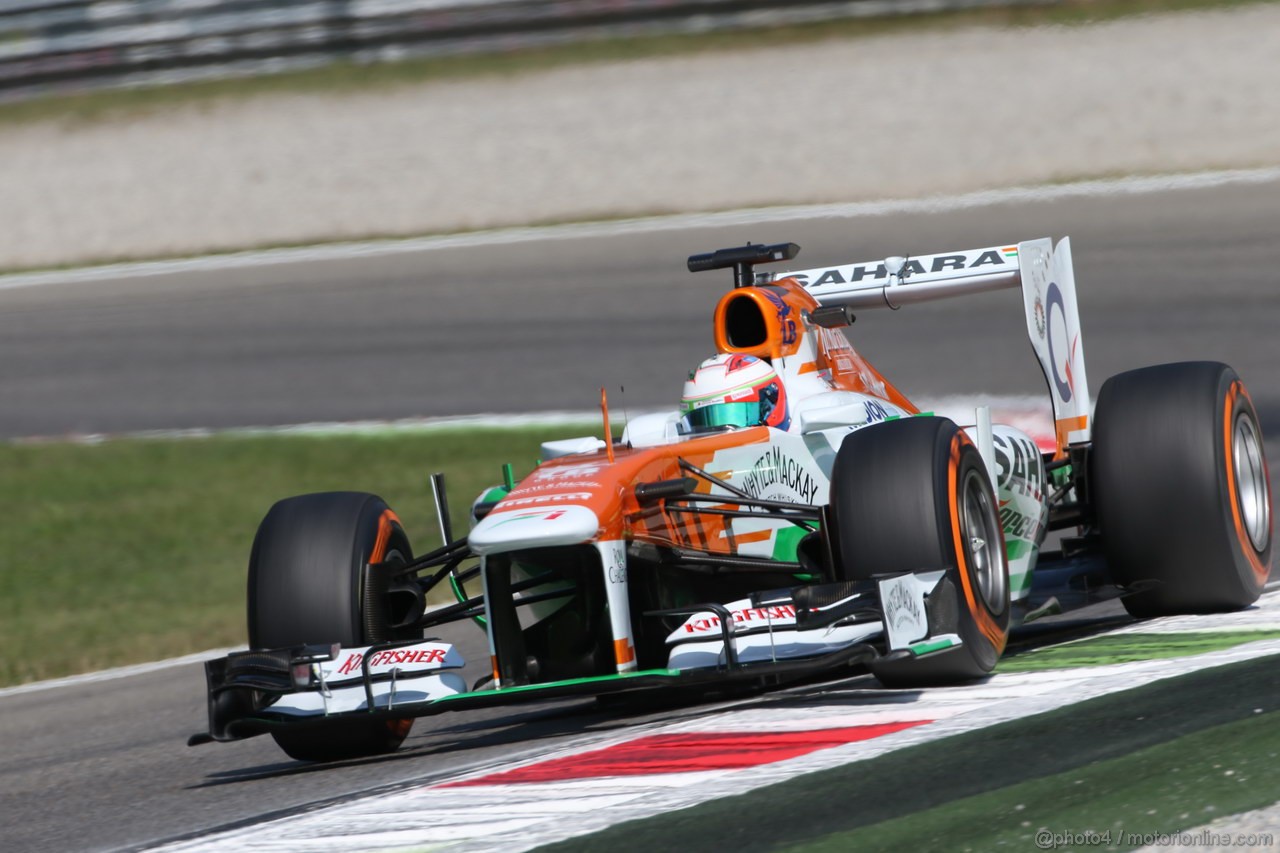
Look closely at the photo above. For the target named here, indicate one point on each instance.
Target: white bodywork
(768, 632)
(422, 672)
(539, 525)
(1043, 271)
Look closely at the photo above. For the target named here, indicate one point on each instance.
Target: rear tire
(1180, 484)
(306, 585)
(913, 495)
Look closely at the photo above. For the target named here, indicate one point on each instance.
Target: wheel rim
(982, 539)
(1251, 483)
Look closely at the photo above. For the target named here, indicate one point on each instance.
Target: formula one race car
(797, 517)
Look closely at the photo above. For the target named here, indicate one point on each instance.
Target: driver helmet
(733, 391)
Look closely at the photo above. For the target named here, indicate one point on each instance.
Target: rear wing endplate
(1049, 301)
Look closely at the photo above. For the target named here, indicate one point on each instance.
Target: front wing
(830, 630)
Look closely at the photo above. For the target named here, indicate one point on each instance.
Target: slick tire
(1179, 482)
(306, 585)
(913, 495)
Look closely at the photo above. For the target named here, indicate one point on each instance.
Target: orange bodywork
(783, 308)
(608, 489)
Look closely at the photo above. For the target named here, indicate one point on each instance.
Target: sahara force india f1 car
(801, 519)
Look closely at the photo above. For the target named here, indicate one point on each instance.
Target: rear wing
(1048, 295)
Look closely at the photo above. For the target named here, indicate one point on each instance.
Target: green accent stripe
(1124, 648)
(495, 493)
(925, 648)
(596, 679)
(1015, 548)
(785, 542)
(461, 595)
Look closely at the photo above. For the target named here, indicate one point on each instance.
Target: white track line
(507, 236)
(589, 419)
(1028, 413)
(118, 672)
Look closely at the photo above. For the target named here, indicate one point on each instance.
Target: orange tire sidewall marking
(386, 523)
(986, 624)
(1233, 495)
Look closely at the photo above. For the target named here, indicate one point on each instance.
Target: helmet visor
(720, 415)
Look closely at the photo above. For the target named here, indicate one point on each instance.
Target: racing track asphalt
(538, 326)
(517, 328)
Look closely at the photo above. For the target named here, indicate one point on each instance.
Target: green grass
(1175, 786)
(350, 78)
(1123, 648)
(136, 550)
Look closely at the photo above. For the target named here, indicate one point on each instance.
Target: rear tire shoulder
(1162, 474)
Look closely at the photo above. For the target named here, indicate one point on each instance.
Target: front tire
(307, 585)
(913, 495)
(1181, 489)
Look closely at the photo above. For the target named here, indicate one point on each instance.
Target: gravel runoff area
(842, 120)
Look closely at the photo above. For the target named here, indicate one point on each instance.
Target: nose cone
(512, 528)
